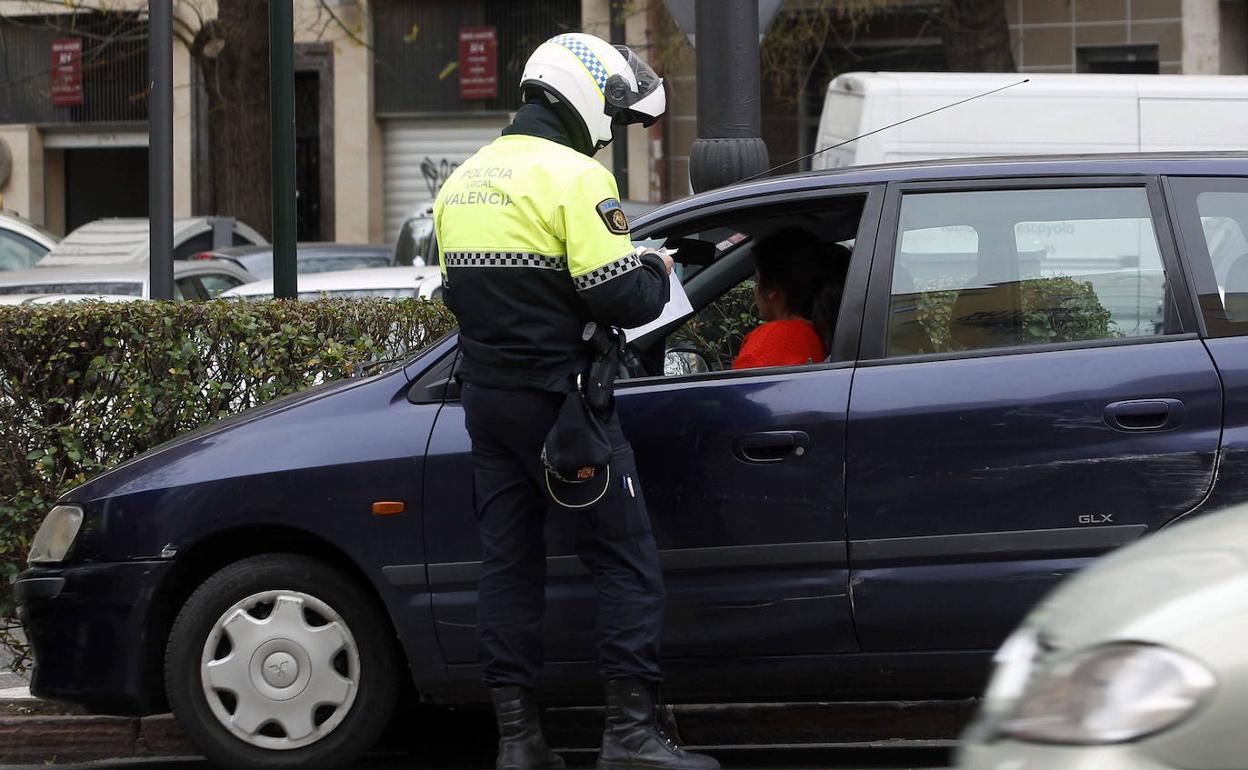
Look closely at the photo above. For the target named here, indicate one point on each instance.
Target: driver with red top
(797, 288)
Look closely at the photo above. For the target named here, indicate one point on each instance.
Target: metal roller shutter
(421, 153)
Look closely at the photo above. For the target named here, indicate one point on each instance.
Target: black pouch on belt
(577, 450)
(606, 347)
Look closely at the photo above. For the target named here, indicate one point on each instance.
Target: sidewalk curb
(64, 738)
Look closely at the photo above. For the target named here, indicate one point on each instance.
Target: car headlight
(56, 535)
(1110, 694)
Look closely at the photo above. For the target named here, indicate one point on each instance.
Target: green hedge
(84, 386)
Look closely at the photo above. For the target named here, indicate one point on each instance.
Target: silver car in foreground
(1138, 663)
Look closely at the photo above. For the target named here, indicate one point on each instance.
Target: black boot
(521, 745)
(638, 736)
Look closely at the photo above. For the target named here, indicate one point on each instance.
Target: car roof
(48, 299)
(1108, 164)
(134, 272)
(1042, 84)
(125, 240)
(362, 278)
(24, 227)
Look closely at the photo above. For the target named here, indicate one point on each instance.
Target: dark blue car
(1036, 361)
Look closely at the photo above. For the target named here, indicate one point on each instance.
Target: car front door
(1032, 393)
(743, 475)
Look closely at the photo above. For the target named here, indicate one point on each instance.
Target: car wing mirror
(678, 361)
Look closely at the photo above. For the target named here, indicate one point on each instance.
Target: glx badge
(1096, 518)
(613, 216)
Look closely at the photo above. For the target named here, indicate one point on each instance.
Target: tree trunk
(977, 36)
(233, 55)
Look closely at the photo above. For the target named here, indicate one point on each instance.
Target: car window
(17, 252)
(192, 246)
(99, 287)
(328, 264)
(395, 293)
(1213, 214)
(989, 269)
(184, 288)
(308, 296)
(716, 332)
(215, 283)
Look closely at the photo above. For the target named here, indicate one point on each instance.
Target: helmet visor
(647, 79)
(642, 105)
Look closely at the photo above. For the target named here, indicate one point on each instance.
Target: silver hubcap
(280, 669)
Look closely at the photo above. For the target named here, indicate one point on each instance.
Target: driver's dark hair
(808, 271)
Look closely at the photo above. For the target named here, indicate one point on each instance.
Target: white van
(1051, 114)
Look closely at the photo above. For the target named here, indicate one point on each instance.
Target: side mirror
(678, 362)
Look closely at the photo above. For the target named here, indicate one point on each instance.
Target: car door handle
(1145, 414)
(771, 446)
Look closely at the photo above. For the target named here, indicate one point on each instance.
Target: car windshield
(346, 262)
(405, 292)
(125, 288)
(262, 267)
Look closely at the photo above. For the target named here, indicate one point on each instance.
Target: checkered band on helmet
(581, 51)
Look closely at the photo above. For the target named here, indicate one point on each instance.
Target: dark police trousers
(614, 541)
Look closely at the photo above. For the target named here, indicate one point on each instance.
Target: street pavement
(8, 678)
(872, 758)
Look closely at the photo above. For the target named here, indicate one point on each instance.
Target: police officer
(533, 246)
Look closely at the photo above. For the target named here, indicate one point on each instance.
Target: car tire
(280, 661)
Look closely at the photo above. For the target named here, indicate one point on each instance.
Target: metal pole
(729, 146)
(282, 126)
(160, 149)
(619, 142)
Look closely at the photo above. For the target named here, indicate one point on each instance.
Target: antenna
(885, 128)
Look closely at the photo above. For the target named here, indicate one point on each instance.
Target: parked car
(50, 299)
(127, 241)
(1137, 663)
(309, 257)
(195, 279)
(415, 243)
(395, 282)
(1118, 113)
(871, 526)
(22, 243)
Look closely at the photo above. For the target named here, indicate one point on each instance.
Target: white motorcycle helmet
(602, 84)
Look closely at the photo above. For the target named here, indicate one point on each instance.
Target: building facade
(382, 115)
(391, 95)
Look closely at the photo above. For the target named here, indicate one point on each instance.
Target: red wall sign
(67, 72)
(478, 63)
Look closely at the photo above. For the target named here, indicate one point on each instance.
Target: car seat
(987, 317)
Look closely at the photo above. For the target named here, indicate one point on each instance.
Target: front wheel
(281, 661)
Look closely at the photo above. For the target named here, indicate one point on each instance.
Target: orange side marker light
(388, 508)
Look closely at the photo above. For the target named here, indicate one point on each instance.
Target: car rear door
(1212, 217)
(1032, 392)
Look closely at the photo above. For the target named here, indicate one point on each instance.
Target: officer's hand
(662, 254)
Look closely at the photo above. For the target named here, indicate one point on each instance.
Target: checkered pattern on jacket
(624, 264)
(504, 259)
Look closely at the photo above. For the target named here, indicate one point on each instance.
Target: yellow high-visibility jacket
(533, 244)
